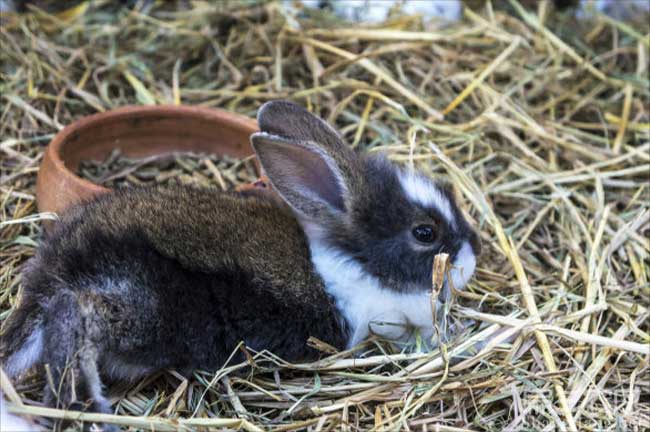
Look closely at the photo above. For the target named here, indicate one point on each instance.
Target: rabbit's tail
(21, 343)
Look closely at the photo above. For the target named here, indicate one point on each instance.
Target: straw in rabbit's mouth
(440, 270)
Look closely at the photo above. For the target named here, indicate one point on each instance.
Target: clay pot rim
(55, 147)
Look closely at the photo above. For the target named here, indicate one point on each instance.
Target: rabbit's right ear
(308, 179)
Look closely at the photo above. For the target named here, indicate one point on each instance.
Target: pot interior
(163, 131)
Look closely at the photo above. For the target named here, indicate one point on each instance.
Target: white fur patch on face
(463, 267)
(27, 355)
(366, 304)
(423, 191)
(362, 299)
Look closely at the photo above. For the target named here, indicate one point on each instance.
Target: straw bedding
(541, 121)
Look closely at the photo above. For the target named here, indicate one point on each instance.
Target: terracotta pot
(138, 131)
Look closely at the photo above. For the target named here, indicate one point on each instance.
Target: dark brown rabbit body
(138, 258)
(150, 278)
(143, 279)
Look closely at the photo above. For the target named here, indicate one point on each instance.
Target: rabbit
(147, 278)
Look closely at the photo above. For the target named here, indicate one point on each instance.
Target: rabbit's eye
(424, 233)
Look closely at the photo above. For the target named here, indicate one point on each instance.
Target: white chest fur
(362, 299)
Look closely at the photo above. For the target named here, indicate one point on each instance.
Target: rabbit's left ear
(302, 172)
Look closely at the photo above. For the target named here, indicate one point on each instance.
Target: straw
(538, 120)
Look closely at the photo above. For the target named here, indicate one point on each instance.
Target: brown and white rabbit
(149, 278)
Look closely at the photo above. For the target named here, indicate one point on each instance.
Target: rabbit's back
(202, 229)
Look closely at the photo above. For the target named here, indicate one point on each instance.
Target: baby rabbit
(149, 278)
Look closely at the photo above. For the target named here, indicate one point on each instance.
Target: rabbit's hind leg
(73, 341)
(21, 343)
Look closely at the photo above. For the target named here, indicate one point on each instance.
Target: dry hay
(545, 134)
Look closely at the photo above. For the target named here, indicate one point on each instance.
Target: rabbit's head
(389, 220)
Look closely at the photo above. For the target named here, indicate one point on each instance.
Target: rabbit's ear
(289, 120)
(308, 179)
